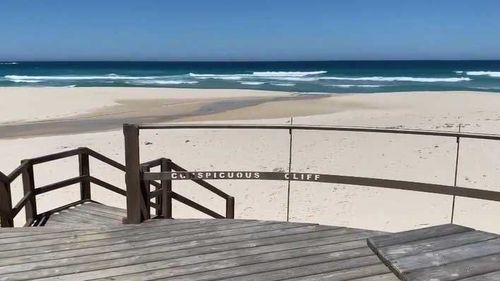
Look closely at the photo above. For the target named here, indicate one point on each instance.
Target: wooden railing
(134, 174)
(162, 193)
(8, 212)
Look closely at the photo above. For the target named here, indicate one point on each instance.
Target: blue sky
(249, 29)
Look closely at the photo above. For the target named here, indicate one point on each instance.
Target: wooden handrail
(59, 184)
(196, 206)
(4, 178)
(21, 204)
(55, 156)
(203, 183)
(28, 201)
(104, 159)
(108, 186)
(386, 130)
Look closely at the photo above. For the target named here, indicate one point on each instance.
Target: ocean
(300, 76)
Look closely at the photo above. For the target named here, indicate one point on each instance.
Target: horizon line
(233, 61)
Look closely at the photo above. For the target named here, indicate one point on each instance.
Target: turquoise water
(318, 76)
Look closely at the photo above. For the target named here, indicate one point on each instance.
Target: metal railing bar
(195, 205)
(108, 186)
(350, 180)
(322, 128)
(203, 183)
(154, 206)
(57, 185)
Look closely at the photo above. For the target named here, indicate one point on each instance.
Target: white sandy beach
(425, 159)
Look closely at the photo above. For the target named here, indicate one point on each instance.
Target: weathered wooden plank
(108, 236)
(128, 251)
(144, 241)
(75, 218)
(415, 235)
(236, 261)
(442, 257)
(78, 213)
(435, 244)
(97, 212)
(381, 277)
(363, 272)
(492, 276)
(458, 270)
(287, 269)
(204, 255)
(166, 252)
(106, 208)
(149, 240)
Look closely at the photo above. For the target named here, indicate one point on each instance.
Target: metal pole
(132, 173)
(289, 171)
(456, 174)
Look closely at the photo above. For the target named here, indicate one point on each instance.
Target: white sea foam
(495, 74)
(252, 83)
(399, 79)
(25, 81)
(296, 79)
(360, 86)
(60, 77)
(287, 73)
(162, 82)
(8, 63)
(283, 84)
(218, 76)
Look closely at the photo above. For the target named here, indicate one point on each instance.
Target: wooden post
(166, 186)
(84, 166)
(132, 174)
(29, 187)
(230, 208)
(146, 189)
(6, 205)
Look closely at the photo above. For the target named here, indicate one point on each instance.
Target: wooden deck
(88, 214)
(211, 249)
(445, 252)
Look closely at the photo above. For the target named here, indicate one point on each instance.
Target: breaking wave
(287, 73)
(495, 74)
(102, 77)
(161, 82)
(218, 76)
(399, 79)
(283, 84)
(252, 83)
(360, 86)
(8, 63)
